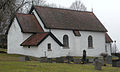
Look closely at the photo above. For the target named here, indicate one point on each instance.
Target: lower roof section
(38, 38)
(108, 39)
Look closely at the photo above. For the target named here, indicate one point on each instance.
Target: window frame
(66, 41)
(49, 47)
(90, 42)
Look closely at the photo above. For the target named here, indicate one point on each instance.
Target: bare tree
(6, 9)
(39, 2)
(9, 8)
(26, 8)
(78, 5)
(52, 5)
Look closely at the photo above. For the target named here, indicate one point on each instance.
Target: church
(53, 32)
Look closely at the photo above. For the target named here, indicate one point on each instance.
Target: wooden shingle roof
(28, 23)
(38, 38)
(54, 18)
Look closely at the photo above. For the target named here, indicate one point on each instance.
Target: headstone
(27, 58)
(60, 60)
(109, 59)
(43, 59)
(97, 64)
(69, 59)
(77, 61)
(22, 59)
(116, 63)
(49, 60)
(102, 61)
(90, 60)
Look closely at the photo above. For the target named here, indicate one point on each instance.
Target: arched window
(66, 41)
(90, 42)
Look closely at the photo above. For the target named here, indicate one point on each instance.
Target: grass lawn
(10, 63)
(50, 67)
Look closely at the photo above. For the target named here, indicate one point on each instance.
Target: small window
(49, 47)
(90, 42)
(66, 41)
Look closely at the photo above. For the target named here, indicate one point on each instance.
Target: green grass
(51, 67)
(5, 50)
(10, 63)
(9, 57)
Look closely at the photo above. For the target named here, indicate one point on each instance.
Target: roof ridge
(23, 14)
(62, 9)
(42, 32)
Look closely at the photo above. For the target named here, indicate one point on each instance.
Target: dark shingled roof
(36, 39)
(28, 23)
(108, 39)
(54, 18)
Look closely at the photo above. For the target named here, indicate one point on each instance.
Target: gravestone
(90, 60)
(102, 61)
(60, 60)
(109, 59)
(22, 59)
(27, 58)
(69, 59)
(77, 60)
(43, 59)
(116, 63)
(97, 64)
(49, 60)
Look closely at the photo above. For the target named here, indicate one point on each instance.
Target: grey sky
(107, 11)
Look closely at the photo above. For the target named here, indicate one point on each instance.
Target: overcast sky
(107, 11)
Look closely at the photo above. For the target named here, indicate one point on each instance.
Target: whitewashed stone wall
(76, 43)
(16, 37)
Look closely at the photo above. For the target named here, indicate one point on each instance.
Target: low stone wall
(52, 60)
(43, 59)
(67, 59)
(77, 61)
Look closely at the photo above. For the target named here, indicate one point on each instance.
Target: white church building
(52, 32)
